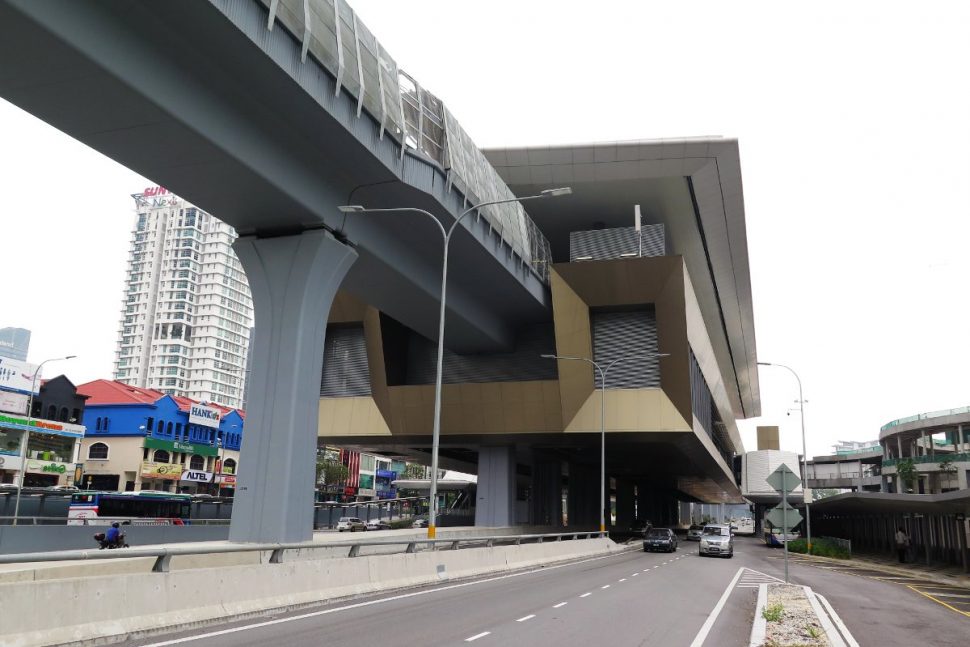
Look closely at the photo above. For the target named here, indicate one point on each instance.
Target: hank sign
(204, 416)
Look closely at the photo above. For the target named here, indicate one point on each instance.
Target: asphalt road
(628, 599)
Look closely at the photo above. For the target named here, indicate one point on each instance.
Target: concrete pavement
(628, 599)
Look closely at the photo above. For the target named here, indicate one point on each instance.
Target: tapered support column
(293, 281)
(625, 503)
(546, 490)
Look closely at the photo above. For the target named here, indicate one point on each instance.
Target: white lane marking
(358, 605)
(585, 594)
(477, 636)
(645, 570)
(656, 567)
(528, 617)
(561, 604)
(634, 575)
(623, 579)
(849, 639)
(605, 586)
(706, 628)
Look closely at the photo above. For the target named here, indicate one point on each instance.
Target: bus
(139, 508)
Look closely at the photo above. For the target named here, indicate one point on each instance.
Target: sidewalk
(937, 572)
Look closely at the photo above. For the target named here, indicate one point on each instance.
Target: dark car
(660, 539)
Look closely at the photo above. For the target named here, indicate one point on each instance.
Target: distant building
(143, 439)
(187, 310)
(856, 446)
(54, 441)
(14, 343)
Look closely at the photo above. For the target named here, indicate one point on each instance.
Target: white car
(350, 524)
(378, 524)
(716, 539)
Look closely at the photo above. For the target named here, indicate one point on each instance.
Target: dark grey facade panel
(621, 334)
(521, 365)
(345, 369)
(606, 244)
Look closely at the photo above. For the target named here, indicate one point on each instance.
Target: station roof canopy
(693, 187)
(886, 503)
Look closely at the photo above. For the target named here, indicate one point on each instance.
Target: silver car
(694, 532)
(716, 539)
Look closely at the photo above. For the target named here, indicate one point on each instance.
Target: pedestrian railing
(163, 555)
(107, 521)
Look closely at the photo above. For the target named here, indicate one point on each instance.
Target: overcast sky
(854, 128)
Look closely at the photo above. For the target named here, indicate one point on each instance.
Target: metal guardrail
(925, 416)
(923, 460)
(163, 556)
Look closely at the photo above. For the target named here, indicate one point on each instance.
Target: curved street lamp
(801, 406)
(23, 449)
(446, 237)
(603, 373)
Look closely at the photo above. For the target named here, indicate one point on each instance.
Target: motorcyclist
(113, 537)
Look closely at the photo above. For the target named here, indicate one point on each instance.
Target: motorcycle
(103, 542)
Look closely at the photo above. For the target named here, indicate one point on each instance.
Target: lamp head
(351, 208)
(548, 356)
(70, 357)
(764, 364)
(552, 193)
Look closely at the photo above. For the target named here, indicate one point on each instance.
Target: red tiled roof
(112, 392)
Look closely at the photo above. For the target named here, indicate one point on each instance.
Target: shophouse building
(143, 439)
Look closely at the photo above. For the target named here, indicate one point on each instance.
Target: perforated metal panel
(345, 370)
(605, 244)
(626, 334)
(522, 364)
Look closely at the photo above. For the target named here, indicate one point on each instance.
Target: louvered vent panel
(619, 334)
(605, 244)
(345, 370)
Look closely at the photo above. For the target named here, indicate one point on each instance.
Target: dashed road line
(477, 636)
(634, 574)
(561, 604)
(623, 579)
(528, 617)
(605, 586)
(585, 595)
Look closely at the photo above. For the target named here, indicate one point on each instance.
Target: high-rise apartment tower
(187, 311)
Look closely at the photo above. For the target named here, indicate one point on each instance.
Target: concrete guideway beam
(294, 280)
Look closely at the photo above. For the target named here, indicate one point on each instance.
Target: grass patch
(820, 546)
(773, 612)
(813, 631)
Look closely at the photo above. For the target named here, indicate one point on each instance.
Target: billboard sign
(162, 471)
(14, 402)
(197, 476)
(17, 376)
(204, 416)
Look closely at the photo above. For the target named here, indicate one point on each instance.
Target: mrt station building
(529, 427)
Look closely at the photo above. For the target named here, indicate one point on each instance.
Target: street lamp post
(23, 449)
(603, 373)
(446, 236)
(801, 406)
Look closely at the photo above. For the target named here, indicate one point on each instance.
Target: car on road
(62, 488)
(350, 524)
(378, 524)
(716, 539)
(694, 532)
(660, 539)
(420, 522)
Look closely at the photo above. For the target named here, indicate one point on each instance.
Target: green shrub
(820, 546)
(773, 612)
(401, 523)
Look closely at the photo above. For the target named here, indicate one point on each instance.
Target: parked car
(694, 532)
(378, 524)
(420, 522)
(350, 524)
(660, 539)
(62, 488)
(640, 526)
(716, 539)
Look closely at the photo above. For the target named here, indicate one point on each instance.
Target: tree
(331, 471)
(906, 472)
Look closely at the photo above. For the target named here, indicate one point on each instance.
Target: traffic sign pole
(784, 522)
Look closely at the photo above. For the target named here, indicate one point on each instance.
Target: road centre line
(634, 574)
(605, 586)
(561, 604)
(623, 579)
(358, 605)
(477, 636)
(706, 628)
(528, 617)
(585, 595)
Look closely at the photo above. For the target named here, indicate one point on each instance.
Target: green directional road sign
(791, 480)
(777, 518)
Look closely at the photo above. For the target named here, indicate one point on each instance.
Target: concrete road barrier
(118, 606)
